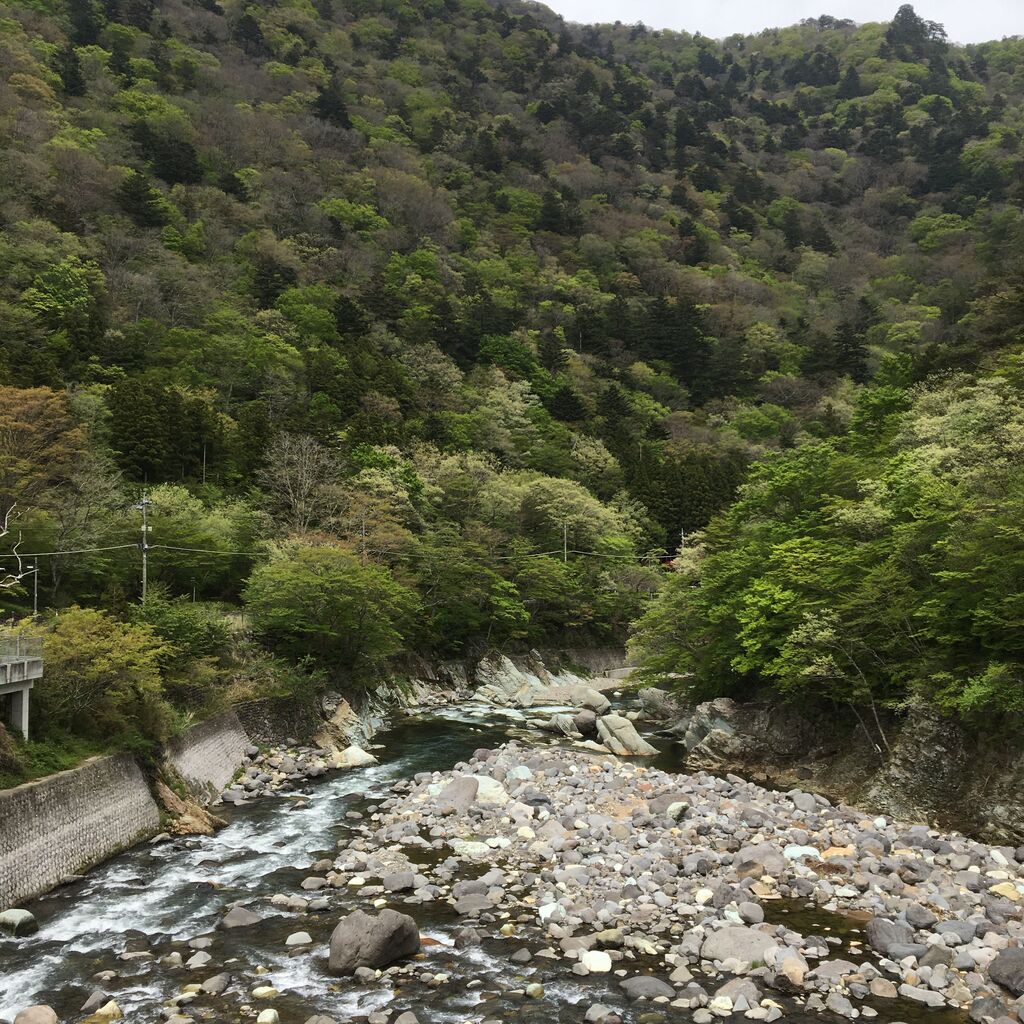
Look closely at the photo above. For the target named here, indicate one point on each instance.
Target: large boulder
(643, 986)
(585, 722)
(18, 922)
(746, 944)
(1008, 970)
(564, 724)
(755, 861)
(588, 697)
(36, 1015)
(660, 705)
(465, 790)
(883, 934)
(459, 795)
(352, 757)
(364, 940)
(239, 917)
(619, 735)
(490, 791)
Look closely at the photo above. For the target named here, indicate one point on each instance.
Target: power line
(70, 551)
(202, 551)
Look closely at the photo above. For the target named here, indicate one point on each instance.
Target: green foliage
(493, 310)
(58, 752)
(881, 567)
(353, 216)
(191, 630)
(323, 602)
(102, 679)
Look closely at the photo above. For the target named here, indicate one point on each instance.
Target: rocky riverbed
(668, 881)
(500, 863)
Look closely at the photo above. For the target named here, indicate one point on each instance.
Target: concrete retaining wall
(207, 755)
(65, 823)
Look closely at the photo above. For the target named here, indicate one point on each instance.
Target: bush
(102, 679)
(10, 762)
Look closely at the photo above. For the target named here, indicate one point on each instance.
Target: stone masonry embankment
(208, 754)
(65, 823)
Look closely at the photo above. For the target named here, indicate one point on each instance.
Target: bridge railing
(21, 658)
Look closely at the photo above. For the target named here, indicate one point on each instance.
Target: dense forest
(436, 328)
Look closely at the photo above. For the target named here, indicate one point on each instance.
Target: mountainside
(434, 326)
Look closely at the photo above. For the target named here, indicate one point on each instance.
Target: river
(159, 898)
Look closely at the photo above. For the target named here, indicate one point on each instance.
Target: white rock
(352, 757)
(597, 961)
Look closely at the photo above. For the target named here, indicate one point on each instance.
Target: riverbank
(55, 828)
(547, 880)
(916, 766)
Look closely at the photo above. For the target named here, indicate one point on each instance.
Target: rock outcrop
(619, 735)
(187, 817)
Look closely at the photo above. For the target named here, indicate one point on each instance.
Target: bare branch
(10, 578)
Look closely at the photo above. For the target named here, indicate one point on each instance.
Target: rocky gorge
(517, 847)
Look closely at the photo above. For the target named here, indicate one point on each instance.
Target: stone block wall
(207, 754)
(275, 719)
(65, 823)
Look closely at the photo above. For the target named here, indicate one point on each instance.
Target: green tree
(102, 679)
(324, 603)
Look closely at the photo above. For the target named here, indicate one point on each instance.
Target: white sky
(966, 21)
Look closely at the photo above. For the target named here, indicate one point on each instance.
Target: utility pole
(34, 569)
(565, 542)
(143, 506)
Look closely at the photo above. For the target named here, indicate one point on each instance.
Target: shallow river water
(158, 898)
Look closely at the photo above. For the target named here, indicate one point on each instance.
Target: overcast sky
(966, 21)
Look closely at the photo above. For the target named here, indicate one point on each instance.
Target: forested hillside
(431, 327)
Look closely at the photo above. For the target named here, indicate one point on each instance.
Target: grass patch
(54, 754)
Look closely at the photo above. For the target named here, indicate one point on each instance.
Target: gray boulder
(588, 697)
(986, 1008)
(217, 984)
(18, 922)
(564, 724)
(747, 944)
(659, 705)
(40, 1014)
(459, 795)
(96, 999)
(585, 722)
(362, 940)
(645, 987)
(754, 861)
(919, 917)
(1008, 970)
(239, 917)
(883, 934)
(619, 735)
